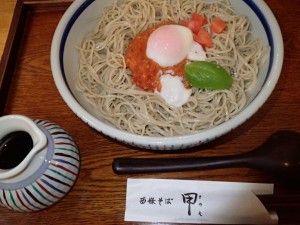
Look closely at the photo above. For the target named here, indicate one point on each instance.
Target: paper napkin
(186, 201)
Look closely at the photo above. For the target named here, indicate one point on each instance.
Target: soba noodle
(107, 83)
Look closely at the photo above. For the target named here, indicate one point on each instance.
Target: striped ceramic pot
(48, 171)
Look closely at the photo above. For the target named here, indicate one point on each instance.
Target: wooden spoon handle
(154, 165)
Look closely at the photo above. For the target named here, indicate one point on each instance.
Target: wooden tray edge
(14, 38)
(10, 51)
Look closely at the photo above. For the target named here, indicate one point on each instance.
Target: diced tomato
(195, 23)
(199, 18)
(200, 35)
(218, 25)
(203, 38)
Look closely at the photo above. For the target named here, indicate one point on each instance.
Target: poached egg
(168, 45)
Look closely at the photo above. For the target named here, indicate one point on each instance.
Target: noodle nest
(107, 83)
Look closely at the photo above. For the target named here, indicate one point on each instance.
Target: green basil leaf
(208, 76)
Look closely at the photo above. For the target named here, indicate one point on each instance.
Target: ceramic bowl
(80, 19)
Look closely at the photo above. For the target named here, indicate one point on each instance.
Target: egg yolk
(168, 45)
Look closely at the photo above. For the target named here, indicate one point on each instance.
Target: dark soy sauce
(14, 147)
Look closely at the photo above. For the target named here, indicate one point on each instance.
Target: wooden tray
(98, 197)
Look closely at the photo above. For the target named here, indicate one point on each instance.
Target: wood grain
(98, 196)
(6, 12)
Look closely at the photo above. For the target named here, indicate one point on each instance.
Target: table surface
(98, 196)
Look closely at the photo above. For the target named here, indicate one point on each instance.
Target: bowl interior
(81, 18)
